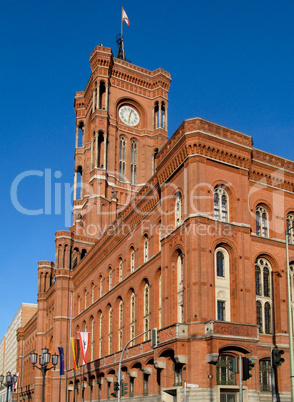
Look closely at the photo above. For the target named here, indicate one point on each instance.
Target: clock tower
(121, 123)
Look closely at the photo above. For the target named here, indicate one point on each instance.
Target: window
(92, 337)
(110, 279)
(101, 286)
(220, 202)
(132, 259)
(222, 284)
(86, 297)
(133, 162)
(93, 292)
(146, 310)
(120, 325)
(220, 271)
(180, 291)
(221, 309)
(100, 335)
(79, 304)
(146, 248)
(178, 209)
(290, 228)
(265, 379)
(223, 374)
(178, 369)
(263, 287)
(261, 221)
(122, 159)
(145, 384)
(132, 317)
(110, 331)
(120, 270)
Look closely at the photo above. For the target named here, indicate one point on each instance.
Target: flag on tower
(84, 343)
(125, 17)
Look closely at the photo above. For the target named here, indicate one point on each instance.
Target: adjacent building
(8, 344)
(183, 234)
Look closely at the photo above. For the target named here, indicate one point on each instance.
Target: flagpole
(121, 28)
(60, 365)
(83, 393)
(66, 368)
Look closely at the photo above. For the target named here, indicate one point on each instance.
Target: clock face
(129, 115)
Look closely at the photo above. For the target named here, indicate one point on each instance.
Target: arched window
(265, 379)
(100, 334)
(122, 159)
(120, 325)
(110, 331)
(132, 259)
(79, 304)
(133, 162)
(120, 270)
(261, 221)
(224, 376)
(220, 202)
(101, 286)
(92, 337)
(159, 235)
(86, 298)
(93, 292)
(146, 248)
(180, 296)
(263, 286)
(110, 279)
(290, 228)
(222, 284)
(220, 266)
(132, 316)
(178, 209)
(146, 310)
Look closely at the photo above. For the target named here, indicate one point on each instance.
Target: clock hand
(130, 115)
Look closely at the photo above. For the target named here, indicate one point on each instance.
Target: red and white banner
(125, 17)
(84, 343)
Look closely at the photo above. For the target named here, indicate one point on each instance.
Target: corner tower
(121, 124)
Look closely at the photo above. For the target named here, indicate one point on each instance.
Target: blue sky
(231, 62)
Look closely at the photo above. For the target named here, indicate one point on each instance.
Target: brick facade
(164, 236)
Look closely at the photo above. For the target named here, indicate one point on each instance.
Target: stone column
(105, 150)
(75, 190)
(83, 137)
(165, 117)
(153, 118)
(159, 111)
(96, 150)
(92, 150)
(98, 95)
(62, 257)
(94, 101)
(77, 136)
(106, 98)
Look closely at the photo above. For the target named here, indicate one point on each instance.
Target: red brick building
(186, 235)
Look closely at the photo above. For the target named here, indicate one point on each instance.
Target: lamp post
(44, 360)
(288, 230)
(10, 380)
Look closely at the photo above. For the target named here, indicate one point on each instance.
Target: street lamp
(44, 360)
(288, 231)
(10, 380)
